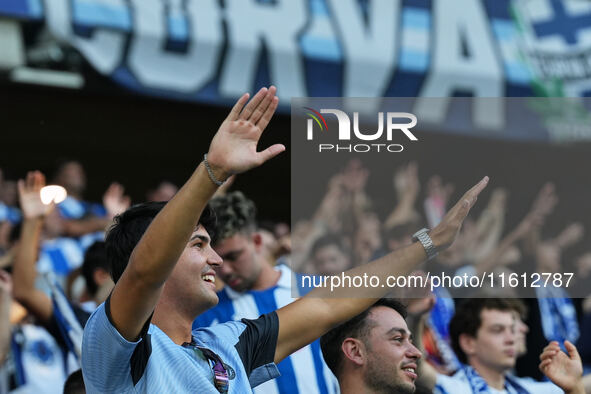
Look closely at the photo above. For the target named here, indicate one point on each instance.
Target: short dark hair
(357, 327)
(75, 383)
(518, 306)
(95, 258)
(235, 213)
(129, 227)
(467, 320)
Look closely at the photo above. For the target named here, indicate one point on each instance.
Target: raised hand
(498, 201)
(447, 230)
(545, 201)
(420, 300)
(564, 370)
(437, 197)
(115, 201)
(436, 190)
(30, 197)
(406, 180)
(234, 147)
(572, 234)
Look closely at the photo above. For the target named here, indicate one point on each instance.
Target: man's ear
(257, 239)
(467, 344)
(100, 276)
(354, 351)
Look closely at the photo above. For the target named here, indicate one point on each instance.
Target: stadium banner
(212, 51)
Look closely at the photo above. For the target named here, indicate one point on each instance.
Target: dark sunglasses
(221, 377)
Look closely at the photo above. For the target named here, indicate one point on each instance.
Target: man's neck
(173, 323)
(495, 378)
(268, 277)
(355, 384)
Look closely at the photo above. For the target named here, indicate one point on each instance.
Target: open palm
(565, 370)
(234, 147)
(30, 198)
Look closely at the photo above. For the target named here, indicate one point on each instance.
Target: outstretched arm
(24, 270)
(232, 150)
(564, 370)
(407, 186)
(306, 319)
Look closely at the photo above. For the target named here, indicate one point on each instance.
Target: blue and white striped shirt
(9, 214)
(63, 255)
(305, 370)
(72, 208)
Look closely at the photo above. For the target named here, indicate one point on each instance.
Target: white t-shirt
(42, 361)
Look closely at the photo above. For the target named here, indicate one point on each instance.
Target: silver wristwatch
(423, 237)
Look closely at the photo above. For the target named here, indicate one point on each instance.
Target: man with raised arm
(140, 339)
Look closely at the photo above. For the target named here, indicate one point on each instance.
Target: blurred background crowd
(54, 264)
(347, 229)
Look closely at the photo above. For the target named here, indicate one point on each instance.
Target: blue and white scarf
(438, 322)
(68, 324)
(558, 315)
(479, 385)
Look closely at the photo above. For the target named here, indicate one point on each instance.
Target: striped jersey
(36, 363)
(62, 255)
(72, 208)
(304, 371)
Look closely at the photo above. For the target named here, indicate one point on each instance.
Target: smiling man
(373, 352)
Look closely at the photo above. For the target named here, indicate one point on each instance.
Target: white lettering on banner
(104, 50)
(278, 25)
(184, 72)
(463, 56)
(478, 71)
(370, 49)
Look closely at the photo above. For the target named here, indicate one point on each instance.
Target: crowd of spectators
(54, 273)
(346, 230)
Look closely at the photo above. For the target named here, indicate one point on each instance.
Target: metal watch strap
(423, 237)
